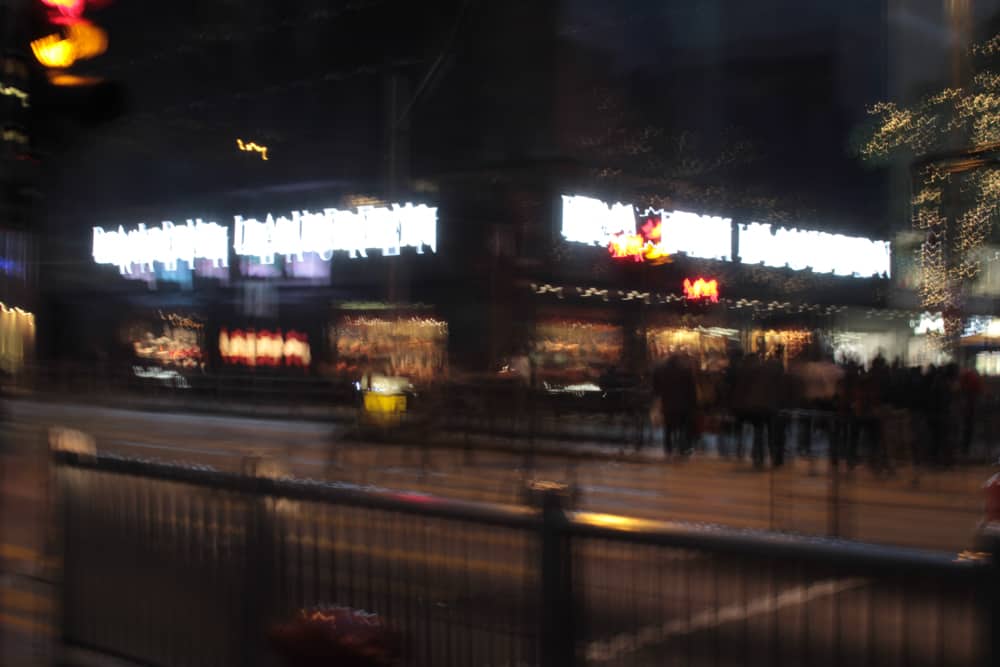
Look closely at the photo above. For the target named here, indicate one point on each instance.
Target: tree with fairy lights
(952, 140)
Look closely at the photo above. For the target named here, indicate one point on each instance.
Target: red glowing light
(651, 230)
(701, 289)
(69, 11)
(627, 246)
(264, 348)
(641, 247)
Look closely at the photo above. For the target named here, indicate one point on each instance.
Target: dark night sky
(306, 78)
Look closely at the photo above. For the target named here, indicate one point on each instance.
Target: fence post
(259, 576)
(557, 624)
(988, 541)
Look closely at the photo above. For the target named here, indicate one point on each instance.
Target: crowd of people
(883, 414)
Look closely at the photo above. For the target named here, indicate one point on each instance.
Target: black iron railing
(173, 565)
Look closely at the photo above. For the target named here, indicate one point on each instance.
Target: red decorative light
(627, 246)
(651, 230)
(701, 290)
(67, 11)
(264, 348)
(641, 247)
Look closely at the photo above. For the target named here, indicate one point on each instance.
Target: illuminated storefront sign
(701, 236)
(701, 290)
(982, 325)
(167, 244)
(324, 233)
(928, 323)
(264, 348)
(303, 233)
(821, 252)
(591, 221)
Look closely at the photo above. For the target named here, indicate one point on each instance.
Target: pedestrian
(758, 402)
(874, 394)
(818, 378)
(777, 423)
(674, 384)
(732, 440)
(970, 390)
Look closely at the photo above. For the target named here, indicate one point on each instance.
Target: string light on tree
(252, 147)
(961, 124)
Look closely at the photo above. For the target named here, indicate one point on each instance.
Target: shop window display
(17, 338)
(793, 341)
(171, 341)
(573, 353)
(708, 346)
(413, 348)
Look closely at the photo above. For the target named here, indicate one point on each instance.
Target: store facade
(428, 290)
(276, 291)
(706, 284)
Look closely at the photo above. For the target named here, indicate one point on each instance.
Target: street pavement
(934, 510)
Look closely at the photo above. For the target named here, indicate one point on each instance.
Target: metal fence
(171, 565)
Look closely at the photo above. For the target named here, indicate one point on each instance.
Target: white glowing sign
(823, 253)
(928, 323)
(704, 236)
(332, 230)
(982, 325)
(322, 233)
(166, 244)
(591, 221)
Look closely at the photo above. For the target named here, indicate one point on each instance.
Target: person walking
(970, 386)
(777, 384)
(674, 384)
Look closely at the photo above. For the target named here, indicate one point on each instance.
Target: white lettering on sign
(332, 230)
(704, 236)
(166, 244)
(822, 252)
(591, 221)
(928, 323)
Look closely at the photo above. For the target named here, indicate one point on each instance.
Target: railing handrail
(767, 544)
(704, 537)
(308, 490)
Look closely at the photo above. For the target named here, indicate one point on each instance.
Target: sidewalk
(586, 437)
(582, 436)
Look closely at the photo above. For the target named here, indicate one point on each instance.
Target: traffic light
(68, 39)
(64, 36)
